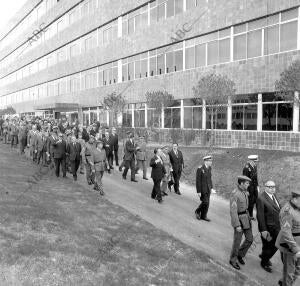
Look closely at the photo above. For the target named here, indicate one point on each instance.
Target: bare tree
(158, 100)
(115, 104)
(7, 111)
(215, 90)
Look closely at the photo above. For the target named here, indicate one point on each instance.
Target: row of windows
(249, 40)
(33, 16)
(92, 78)
(275, 116)
(132, 22)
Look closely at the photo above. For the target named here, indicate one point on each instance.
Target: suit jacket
(129, 150)
(59, 149)
(203, 180)
(74, 151)
(176, 161)
(250, 170)
(40, 143)
(50, 146)
(158, 169)
(141, 153)
(268, 214)
(114, 142)
(107, 144)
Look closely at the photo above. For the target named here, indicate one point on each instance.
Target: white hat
(253, 157)
(207, 158)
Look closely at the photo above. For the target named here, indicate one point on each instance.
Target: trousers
(202, 209)
(291, 269)
(237, 248)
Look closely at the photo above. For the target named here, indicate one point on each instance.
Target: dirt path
(176, 216)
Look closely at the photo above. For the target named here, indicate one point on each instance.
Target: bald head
(270, 187)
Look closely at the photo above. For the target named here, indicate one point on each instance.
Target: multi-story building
(64, 56)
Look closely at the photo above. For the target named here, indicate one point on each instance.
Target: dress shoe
(120, 169)
(280, 283)
(164, 193)
(235, 265)
(267, 268)
(124, 177)
(241, 260)
(109, 172)
(95, 188)
(206, 219)
(178, 193)
(160, 201)
(134, 181)
(154, 198)
(268, 263)
(90, 183)
(75, 178)
(198, 217)
(145, 178)
(101, 193)
(169, 187)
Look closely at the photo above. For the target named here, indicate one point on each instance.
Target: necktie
(274, 200)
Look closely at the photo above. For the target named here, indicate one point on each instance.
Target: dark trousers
(109, 156)
(41, 155)
(60, 162)
(237, 248)
(202, 210)
(268, 248)
(156, 191)
(74, 167)
(129, 164)
(23, 144)
(291, 269)
(115, 155)
(90, 176)
(252, 202)
(176, 176)
(14, 140)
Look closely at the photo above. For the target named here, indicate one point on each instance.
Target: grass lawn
(54, 232)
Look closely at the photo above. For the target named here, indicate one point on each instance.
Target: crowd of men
(72, 147)
(278, 223)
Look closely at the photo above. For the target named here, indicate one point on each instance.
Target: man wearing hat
(241, 222)
(59, 154)
(204, 187)
(288, 239)
(93, 131)
(268, 208)
(250, 171)
(115, 144)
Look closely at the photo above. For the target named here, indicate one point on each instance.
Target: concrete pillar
(203, 115)
(107, 117)
(296, 112)
(259, 113)
(229, 114)
(181, 114)
(162, 118)
(146, 116)
(132, 114)
(120, 71)
(120, 27)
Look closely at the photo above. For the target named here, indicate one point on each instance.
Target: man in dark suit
(59, 154)
(268, 209)
(108, 149)
(250, 170)
(157, 174)
(41, 147)
(50, 147)
(177, 163)
(74, 150)
(129, 157)
(114, 141)
(204, 187)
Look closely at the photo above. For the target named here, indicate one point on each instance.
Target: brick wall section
(227, 139)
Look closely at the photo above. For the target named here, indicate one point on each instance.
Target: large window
(172, 115)
(139, 115)
(277, 114)
(244, 112)
(127, 116)
(192, 113)
(219, 115)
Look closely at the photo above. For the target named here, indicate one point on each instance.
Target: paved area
(176, 216)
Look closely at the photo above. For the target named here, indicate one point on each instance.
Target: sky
(8, 9)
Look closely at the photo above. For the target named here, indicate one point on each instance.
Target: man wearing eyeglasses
(268, 209)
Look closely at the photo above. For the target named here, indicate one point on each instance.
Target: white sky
(8, 8)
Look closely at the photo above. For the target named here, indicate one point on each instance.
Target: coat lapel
(271, 201)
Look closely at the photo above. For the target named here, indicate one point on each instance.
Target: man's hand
(238, 229)
(157, 161)
(265, 234)
(298, 254)
(93, 171)
(213, 191)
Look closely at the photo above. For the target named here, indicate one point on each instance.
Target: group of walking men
(278, 223)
